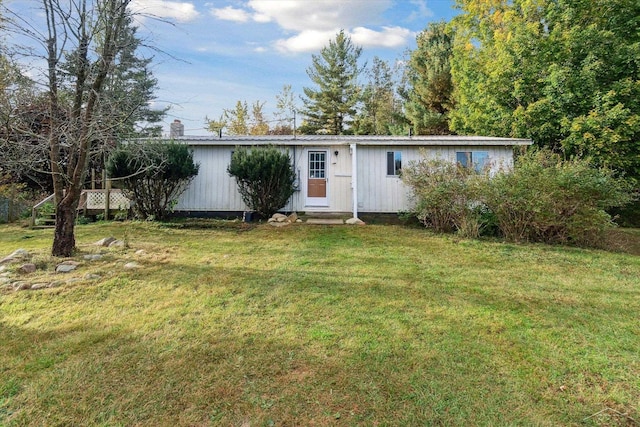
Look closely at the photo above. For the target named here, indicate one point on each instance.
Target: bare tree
(80, 41)
(91, 29)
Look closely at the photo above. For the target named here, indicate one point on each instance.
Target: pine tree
(129, 91)
(330, 108)
(429, 98)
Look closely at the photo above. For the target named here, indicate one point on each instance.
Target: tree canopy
(561, 72)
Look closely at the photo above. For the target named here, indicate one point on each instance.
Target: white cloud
(313, 41)
(231, 14)
(422, 12)
(319, 15)
(180, 11)
(306, 41)
(388, 37)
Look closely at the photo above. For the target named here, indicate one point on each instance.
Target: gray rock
(15, 256)
(55, 284)
(27, 268)
(93, 257)
(131, 265)
(279, 224)
(65, 268)
(354, 221)
(116, 244)
(279, 217)
(141, 252)
(38, 286)
(21, 286)
(293, 217)
(90, 276)
(105, 242)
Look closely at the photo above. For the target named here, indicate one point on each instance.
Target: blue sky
(214, 53)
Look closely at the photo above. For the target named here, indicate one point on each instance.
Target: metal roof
(317, 140)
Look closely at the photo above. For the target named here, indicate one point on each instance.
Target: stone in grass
(66, 268)
(117, 244)
(93, 257)
(90, 276)
(27, 268)
(131, 265)
(21, 286)
(38, 286)
(15, 256)
(354, 221)
(141, 252)
(278, 217)
(105, 242)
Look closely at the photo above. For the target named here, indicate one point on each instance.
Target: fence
(10, 210)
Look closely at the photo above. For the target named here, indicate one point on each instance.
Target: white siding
(214, 190)
(378, 192)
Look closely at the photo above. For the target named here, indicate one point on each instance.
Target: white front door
(317, 178)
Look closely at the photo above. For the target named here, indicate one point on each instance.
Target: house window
(477, 160)
(394, 163)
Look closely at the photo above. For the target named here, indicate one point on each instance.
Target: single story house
(346, 174)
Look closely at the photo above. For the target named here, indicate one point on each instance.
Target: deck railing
(92, 202)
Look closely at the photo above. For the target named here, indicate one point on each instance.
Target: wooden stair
(46, 221)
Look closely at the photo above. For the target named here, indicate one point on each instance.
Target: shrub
(546, 199)
(152, 175)
(444, 195)
(264, 176)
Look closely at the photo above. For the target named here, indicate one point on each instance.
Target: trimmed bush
(265, 178)
(152, 175)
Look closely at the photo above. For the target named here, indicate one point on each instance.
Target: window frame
(394, 162)
(469, 160)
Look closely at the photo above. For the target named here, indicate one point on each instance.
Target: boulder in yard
(27, 268)
(105, 242)
(355, 221)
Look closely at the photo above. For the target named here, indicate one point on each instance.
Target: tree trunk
(64, 241)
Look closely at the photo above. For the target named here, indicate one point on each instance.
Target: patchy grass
(313, 325)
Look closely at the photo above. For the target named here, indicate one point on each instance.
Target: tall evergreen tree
(429, 98)
(126, 104)
(331, 107)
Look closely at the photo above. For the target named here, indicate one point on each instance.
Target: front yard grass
(319, 325)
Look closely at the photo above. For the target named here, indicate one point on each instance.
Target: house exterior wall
(379, 192)
(213, 190)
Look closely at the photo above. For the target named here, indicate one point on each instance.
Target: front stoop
(325, 221)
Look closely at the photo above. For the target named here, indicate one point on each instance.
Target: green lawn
(317, 325)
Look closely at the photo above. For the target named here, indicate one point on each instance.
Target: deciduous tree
(561, 72)
(81, 40)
